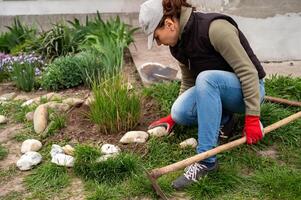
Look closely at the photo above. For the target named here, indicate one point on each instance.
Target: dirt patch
(269, 153)
(13, 185)
(14, 153)
(75, 191)
(8, 132)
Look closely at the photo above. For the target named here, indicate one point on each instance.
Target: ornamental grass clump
(114, 108)
(111, 171)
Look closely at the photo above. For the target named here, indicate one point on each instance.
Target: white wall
(68, 7)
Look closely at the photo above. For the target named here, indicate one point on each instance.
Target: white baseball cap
(151, 13)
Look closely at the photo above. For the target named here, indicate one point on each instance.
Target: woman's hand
(253, 129)
(166, 122)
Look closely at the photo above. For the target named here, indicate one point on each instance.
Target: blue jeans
(210, 104)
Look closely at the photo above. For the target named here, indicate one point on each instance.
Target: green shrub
(62, 73)
(111, 171)
(91, 68)
(17, 34)
(114, 107)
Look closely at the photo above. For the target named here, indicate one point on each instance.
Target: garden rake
(154, 174)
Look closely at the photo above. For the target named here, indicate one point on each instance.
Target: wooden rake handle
(156, 173)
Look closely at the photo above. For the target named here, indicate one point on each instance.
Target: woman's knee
(206, 78)
(182, 115)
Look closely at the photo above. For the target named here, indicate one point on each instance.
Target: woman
(220, 75)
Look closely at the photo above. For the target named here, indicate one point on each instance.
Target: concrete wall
(45, 12)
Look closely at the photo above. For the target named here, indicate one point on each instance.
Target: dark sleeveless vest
(195, 50)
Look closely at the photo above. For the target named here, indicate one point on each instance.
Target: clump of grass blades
(111, 171)
(164, 93)
(15, 110)
(114, 107)
(48, 177)
(279, 182)
(284, 87)
(58, 121)
(3, 152)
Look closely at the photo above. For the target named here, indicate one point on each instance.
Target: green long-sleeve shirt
(224, 38)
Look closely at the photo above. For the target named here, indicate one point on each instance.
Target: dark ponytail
(172, 9)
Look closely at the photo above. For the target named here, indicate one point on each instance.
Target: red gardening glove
(253, 129)
(166, 122)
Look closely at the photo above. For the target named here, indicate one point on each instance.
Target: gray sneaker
(193, 173)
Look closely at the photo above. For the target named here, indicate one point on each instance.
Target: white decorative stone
(158, 131)
(59, 107)
(56, 149)
(3, 119)
(29, 116)
(31, 145)
(109, 149)
(68, 149)
(28, 102)
(134, 137)
(73, 101)
(40, 119)
(28, 160)
(63, 160)
(8, 96)
(106, 157)
(191, 142)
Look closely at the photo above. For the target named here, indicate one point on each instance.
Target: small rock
(134, 137)
(88, 101)
(31, 145)
(3, 119)
(191, 142)
(56, 149)
(40, 119)
(63, 160)
(52, 96)
(109, 149)
(106, 157)
(28, 102)
(8, 96)
(21, 98)
(158, 131)
(58, 107)
(29, 116)
(68, 149)
(73, 102)
(28, 160)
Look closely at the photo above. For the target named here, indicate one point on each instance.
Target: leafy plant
(17, 34)
(62, 73)
(58, 41)
(23, 74)
(114, 108)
